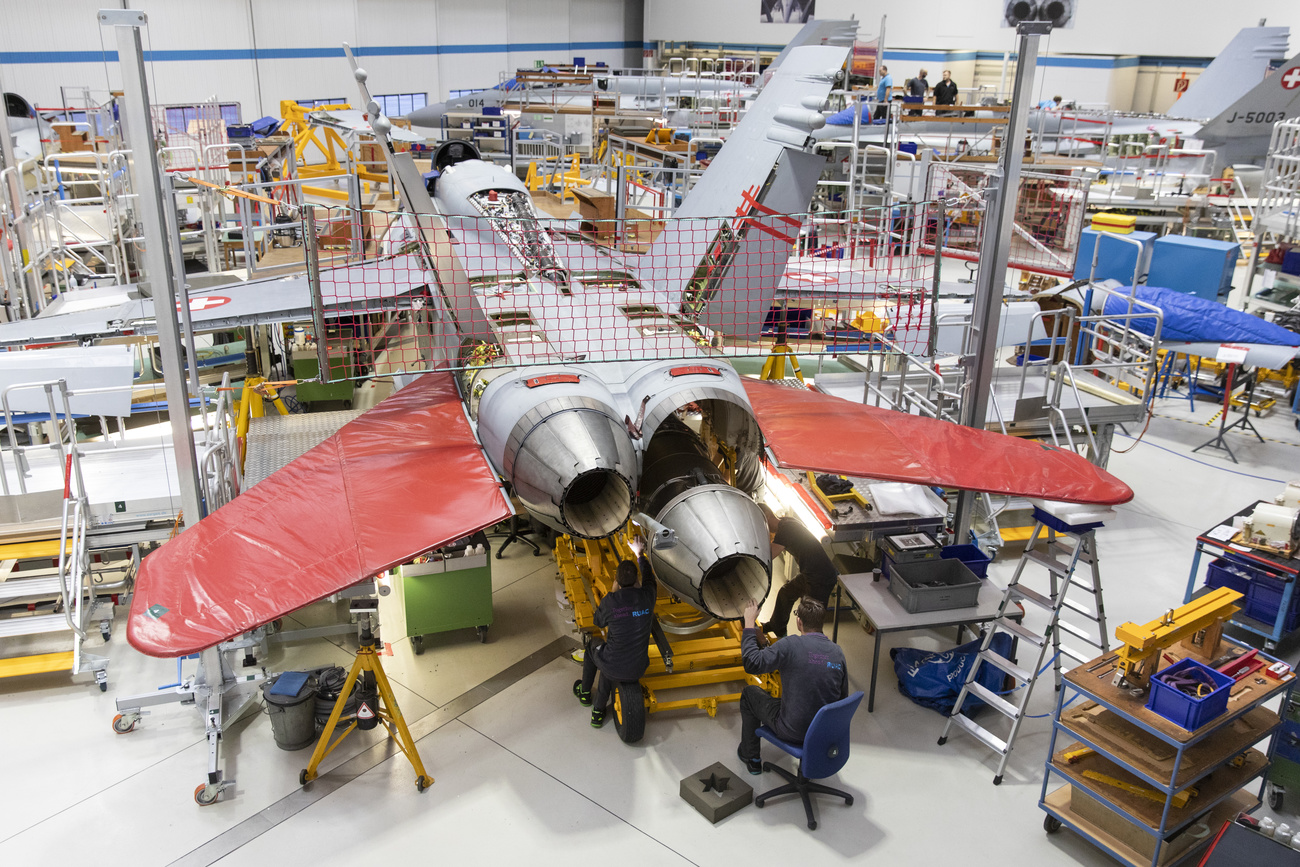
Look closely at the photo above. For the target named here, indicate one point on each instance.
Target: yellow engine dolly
(690, 651)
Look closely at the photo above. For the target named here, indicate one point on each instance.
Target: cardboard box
(335, 233)
(71, 139)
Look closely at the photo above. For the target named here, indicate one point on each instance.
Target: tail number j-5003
(1257, 116)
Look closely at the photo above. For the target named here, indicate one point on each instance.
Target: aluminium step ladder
(1061, 561)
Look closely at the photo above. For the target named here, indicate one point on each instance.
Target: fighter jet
(1221, 110)
(26, 126)
(575, 374)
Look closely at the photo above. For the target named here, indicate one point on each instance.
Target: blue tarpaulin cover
(1195, 320)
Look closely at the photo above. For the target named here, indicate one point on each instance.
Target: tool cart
(1142, 788)
(451, 588)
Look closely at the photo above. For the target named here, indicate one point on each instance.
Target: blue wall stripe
(303, 53)
(501, 48)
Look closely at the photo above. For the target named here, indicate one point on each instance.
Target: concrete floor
(521, 775)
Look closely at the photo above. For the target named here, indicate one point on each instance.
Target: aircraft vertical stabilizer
(1275, 98)
(734, 231)
(1242, 64)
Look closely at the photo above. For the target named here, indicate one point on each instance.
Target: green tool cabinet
(454, 592)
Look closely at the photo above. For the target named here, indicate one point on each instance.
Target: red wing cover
(403, 478)
(809, 430)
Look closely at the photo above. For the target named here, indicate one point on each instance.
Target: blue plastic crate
(975, 559)
(1230, 572)
(1264, 598)
(1060, 526)
(1182, 709)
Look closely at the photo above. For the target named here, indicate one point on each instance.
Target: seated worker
(626, 614)
(816, 576)
(812, 675)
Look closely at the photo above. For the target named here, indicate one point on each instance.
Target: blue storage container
(975, 559)
(1229, 571)
(1264, 598)
(1116, 259)
(1187, 711)
(1197, 266)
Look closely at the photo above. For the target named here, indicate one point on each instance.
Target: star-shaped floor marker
(714, 783)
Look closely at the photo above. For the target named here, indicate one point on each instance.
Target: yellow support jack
(375, 689)
(774, 366)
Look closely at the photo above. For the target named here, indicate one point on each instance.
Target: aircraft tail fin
(1275, 98)
(817, 32)
(1240, 65)
(726, 247)
(400, 165)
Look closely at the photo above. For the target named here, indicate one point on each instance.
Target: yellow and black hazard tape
(1214, 420)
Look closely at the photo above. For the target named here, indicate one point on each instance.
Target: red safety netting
(505, 284)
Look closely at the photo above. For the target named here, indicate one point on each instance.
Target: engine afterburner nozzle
(722, 557)
(574, 468)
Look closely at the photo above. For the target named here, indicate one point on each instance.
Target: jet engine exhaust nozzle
(722, 558)
(574, 470)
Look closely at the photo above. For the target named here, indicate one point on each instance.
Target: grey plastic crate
(934, 585)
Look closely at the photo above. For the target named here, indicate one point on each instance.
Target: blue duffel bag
(934, 678)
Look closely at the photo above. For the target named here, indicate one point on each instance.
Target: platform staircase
(1059, 548)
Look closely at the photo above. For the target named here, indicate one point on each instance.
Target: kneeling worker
(816, 577)
(626, 614)
(812, 676)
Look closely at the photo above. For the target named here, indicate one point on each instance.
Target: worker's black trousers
(757, 708)
(591, 663)
(787, 597)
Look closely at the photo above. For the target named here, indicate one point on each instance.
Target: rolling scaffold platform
(690, 651)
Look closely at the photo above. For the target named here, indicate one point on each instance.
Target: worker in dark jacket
(945, 92)
(813, 675)
(625, 614)
(816, 576)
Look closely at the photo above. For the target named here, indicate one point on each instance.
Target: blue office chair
(825, 750)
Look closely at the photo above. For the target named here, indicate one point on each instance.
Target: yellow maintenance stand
(375, 706)
(691, 651)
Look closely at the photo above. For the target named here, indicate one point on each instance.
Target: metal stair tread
(989, 739)
(1020, 630)
(1006, 665)
(1074, 654)
(21, 588)
(1033, 596)
(1079, 633)
(1042, 558)
(33, 625)
(993, 700)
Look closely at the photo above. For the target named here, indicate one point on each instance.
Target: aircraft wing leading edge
(809, 430)
(403, 478)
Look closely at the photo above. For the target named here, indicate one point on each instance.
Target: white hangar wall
(1119, 52)
(258, 52)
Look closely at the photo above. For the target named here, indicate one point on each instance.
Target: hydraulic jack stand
(774, 365)
(375, 704)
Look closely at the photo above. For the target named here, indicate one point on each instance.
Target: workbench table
(1285, 569)
(886, 614)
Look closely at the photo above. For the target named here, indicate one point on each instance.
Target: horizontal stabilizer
(406, 477)
(808, 430)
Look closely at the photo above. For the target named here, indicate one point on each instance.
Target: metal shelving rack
(1277, 219)
(1211, 765)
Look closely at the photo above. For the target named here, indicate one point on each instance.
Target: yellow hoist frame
(709, 657)
(298, 123)
(1198, 625)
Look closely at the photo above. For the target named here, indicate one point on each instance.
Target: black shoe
(754, 765)
(597, 717)
(584, 695)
